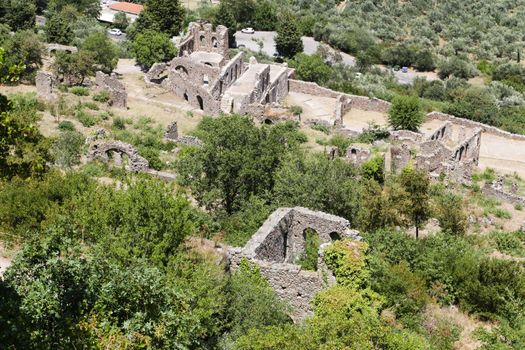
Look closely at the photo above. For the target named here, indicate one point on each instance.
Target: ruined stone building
(204, 75)
(444, 149)
(280, 242)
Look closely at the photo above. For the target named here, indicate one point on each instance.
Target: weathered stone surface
(172, 132)
(45, 83)
(54, 48)
(106, 150)
(358, 154)
(117, 90)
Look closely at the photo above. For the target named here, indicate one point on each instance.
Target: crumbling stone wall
(202, 37)
(357, 154)
(472, 124)
(406, 136)
(53, 48)
(442, 132)
(342, 105)
(278, 243)
(400, 157)
(117, 90)
(172, 132)
(45, 84)
(495, 189)
(107, 150)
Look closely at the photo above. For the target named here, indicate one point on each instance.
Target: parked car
(404, 69)
(247, 30)
(115, 31)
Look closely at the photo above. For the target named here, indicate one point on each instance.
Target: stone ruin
(172, 134)
(358, 154)
(205, 76)
(118, 152)
(438, 153)
(280, 242)
(111, 84)
(45, 85)
(54, 48)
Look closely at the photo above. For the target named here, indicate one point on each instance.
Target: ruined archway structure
(115, 150)
(278, 244)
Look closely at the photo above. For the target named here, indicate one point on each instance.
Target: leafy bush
(308, 260)
(79, 90)
(68, 147)
(119, 123)
(86, 119)
(91, 105)
(102, 96)
(66, 125)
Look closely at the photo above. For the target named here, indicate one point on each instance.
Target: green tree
(424, 61)
(450, 214)
(416, 185)
(104, 51)
(67, 148)
(237, 161)
(151, 47)
(58, 29)
(74, 68)
(265, 16)
(311, 68)
(288, 39)
(18, 14)
(318, 183)
(90, 8)
(121, 21)
(405, 113)
(165, 16)
(24, 49)
(225, 17)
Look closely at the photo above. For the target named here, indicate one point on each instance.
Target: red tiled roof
(127, 7)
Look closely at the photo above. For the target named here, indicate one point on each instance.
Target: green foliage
(151, 47)
(405, 113)
(102, 96)
(288, 39)
(23, 49)
(509, 242)
(450, 214)
(416, 185)
(224, 16)
(238, 160)
(311, 68)
(91, 105)
(373, 169)
(165, 17)
(318, 183)
(79, 91)
(308, 260)
(18, 14)
(68, 147)
(104, 51)
(119, 123)
(66, 125)
(58, 29)
(252, 304)
(347, 260)
(74, 68)
(121, 21)
(86, 119)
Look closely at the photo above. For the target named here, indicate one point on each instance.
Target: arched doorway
(201, 102)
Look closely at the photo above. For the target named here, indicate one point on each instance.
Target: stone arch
(182, 71)
(334, 236)
(200, 102)
(208, 64)
(202, 40)
(116, 151)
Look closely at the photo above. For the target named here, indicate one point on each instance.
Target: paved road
(250, 41)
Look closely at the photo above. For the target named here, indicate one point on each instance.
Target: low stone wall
(358, 102)
(104, 150)
(472, 124)
(490, 190)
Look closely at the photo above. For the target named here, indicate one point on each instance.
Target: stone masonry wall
(274, 248)
(117, 90)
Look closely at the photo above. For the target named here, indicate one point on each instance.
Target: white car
(247, 31)
(115, 31)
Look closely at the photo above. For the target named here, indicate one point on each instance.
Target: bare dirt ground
(314, 107)
(357, 119)
(506, 156)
